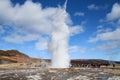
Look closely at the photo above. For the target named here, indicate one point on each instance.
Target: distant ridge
(91, 61)
(14, 56)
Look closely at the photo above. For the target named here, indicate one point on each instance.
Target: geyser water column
(59, 49)
(59, 40)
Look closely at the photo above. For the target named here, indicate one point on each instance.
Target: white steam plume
(59, 40)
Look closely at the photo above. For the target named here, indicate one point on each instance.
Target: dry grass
(111, 67)
(112, 71)
(108, 69)
(17, 66)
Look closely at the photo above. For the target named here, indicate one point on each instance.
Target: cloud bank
(30, 20)
(111, 38)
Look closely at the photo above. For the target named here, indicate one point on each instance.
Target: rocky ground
(61, 74)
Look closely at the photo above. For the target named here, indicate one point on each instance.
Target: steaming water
(59, 49)
(59, 40)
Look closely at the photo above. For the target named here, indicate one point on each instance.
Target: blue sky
(94, 27)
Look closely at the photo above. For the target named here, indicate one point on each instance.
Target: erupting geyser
(30, 22)
(59, 40)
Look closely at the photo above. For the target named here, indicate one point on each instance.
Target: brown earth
(14, 56)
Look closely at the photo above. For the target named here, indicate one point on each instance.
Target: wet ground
(60, 74)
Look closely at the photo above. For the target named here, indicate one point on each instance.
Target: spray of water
(29, 20)
(59, 40)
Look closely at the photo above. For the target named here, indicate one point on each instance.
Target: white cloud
(1, 30)
(110, 38)
(100, 26)
(76, 30)
(115, 13)
(31, 18)
(112, 35)
(113, 17)
(103, 30)
(77, 49)
(110, 45)
(93, 7)
(42, 44)
(83, 23)
(83, 50)
(79, 14)
(15, 38)
(118, 22)
(28, 17)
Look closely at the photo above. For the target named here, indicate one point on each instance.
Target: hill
(14, 56)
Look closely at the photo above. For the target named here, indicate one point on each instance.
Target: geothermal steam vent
(59, 40)
(30, 21)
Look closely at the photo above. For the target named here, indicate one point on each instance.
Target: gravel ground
(60, 74)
